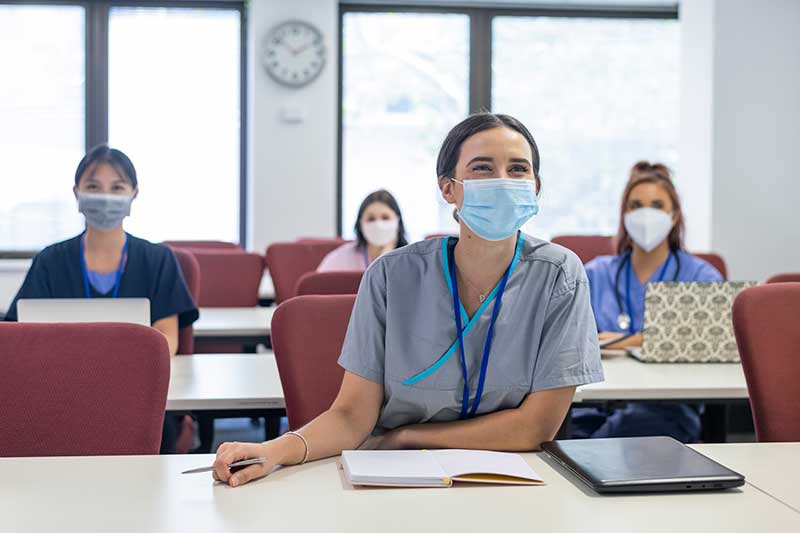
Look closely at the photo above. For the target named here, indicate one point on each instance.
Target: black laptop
(641, 464)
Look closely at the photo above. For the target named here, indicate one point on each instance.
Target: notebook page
(457, 463)
(392, 467)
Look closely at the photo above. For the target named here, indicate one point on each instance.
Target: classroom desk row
(251, 381)
(132, 494)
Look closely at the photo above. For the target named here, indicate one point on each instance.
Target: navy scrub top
(151, 271)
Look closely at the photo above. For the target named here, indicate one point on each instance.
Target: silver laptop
(689, 322)
(129, 310)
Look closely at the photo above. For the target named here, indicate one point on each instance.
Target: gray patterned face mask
(104, 211)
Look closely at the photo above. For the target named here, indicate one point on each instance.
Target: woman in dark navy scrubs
(106, 262)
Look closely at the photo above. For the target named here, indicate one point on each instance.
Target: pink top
(346, 257)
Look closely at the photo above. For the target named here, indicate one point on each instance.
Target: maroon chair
(334, 282)
(229, 278)
(716, 261)
(587, 247)
(82, 389)
(307, 337)
(321, 240)
(288, 261)
(205, 245)
(765, 321)
(791, 277)
(191, 275)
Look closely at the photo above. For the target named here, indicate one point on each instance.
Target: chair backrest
(191, 275)
(765, 322)
(334, 282)
(228, 278)
(587, 247)
(716, 261)
(307, 337)
(288, 261)
(82, 389)
(320, 240)
(790, 277)
(205, 245)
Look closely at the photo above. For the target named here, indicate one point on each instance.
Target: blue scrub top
(151, 272)
(602, 272)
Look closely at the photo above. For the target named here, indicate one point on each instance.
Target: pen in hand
(233, 467)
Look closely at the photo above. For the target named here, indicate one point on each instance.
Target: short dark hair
(451, 147)
(102, 153)
(385, 197)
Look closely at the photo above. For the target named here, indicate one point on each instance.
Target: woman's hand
(275, 451)
(630, 342)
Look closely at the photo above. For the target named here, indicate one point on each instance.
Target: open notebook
(435, 468)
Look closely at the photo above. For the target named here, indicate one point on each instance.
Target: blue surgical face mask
(104, 211)
(496, 208)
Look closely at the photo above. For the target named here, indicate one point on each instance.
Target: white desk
(234, 323)
(773, 467)
(629, 379)
(205, 382)
(251, 381)
(134, 494)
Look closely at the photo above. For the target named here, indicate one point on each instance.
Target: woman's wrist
(290, 450)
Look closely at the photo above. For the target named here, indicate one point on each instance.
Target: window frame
(96, 25)
(480, 48)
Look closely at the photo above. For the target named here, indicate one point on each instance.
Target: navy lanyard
(487, 347)
(85, 270)
(631, 328)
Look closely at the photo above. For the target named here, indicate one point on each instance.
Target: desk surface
(224, 381)
(629, 379)
(251, 381)
(773, 467)
(234, 322)
(127, 494)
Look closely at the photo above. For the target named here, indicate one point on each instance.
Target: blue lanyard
(487, 347)
(85, 270)
(631, 328)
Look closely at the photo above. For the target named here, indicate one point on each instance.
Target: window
(598, 95)
(598, 89)
(174, 109)
(400, 97)
(41, 123)
(164, 84)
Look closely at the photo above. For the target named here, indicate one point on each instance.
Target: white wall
(756, 187)
(292, 167)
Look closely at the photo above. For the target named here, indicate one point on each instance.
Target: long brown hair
(658, 173)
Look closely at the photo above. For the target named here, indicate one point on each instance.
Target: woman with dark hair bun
(649, 249)
(470, 342)
(379, 229)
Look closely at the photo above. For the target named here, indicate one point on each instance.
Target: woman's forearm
(524, 428)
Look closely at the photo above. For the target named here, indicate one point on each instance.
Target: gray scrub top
(402, 332)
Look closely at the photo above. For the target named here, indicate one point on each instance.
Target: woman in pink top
(379, 229)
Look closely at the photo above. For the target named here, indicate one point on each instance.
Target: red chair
(229, 278)
(587, 247)
(716, 261)
(307, 337)
(205, 245)
(191, 275)
(793, 277)
(82, 389)
(334, 282)
(765, 322)
(288, 261)
(320, 240)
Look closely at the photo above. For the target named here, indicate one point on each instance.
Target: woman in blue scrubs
(649, 249)
(470, 342)
(106, 262)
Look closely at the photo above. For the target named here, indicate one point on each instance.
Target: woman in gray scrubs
(528, 336)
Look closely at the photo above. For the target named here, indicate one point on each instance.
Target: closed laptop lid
(71, 310)
(637, 461)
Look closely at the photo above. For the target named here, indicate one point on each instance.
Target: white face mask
(380, 232)
(104, 211)
(648, 227)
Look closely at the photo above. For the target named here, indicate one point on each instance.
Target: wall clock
(294, 53)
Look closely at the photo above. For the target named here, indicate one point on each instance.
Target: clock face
(294, 53)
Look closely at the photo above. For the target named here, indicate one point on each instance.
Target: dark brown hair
(658, 173)
(102, 153)
(451, 147)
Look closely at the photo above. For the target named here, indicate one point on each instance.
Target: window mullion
(96, 73)
(480, 60)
